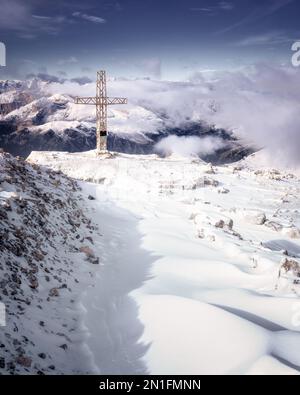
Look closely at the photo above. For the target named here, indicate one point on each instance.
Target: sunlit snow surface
(177, 294)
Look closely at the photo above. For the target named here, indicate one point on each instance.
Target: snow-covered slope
(47, 260)
(194, 273)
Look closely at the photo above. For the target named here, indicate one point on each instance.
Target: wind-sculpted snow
(214, 240)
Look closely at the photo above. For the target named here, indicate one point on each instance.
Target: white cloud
(14, 15)
(226, 5)
(221, 6)
(70, 60)
(151, 67)
(268, 38)
(259, 12)
(189, 146)
(89, 18)
(42, 17)
(18, 16)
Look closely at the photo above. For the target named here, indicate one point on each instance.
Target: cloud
(118, 7)
(81, 80)
(189, 146)
(19, 16)
(27, 36)
(221, 6)
(70, 60)
(258, 12)
(14, 15)
(89, 18)
(151, 67)
(201, 9)
(86, 69)
(60, 78)
(46, 77)
(42, 17)
(268, 38)
(226, 5)
(62, 73)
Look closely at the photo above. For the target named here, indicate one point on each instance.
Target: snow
(71, 115)
(57, 126)
(7, 97)
(188, 282)
(190, 337)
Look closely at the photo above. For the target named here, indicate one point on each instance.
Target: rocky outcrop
(21, 142)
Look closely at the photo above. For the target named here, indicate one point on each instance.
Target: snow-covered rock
(255, 217)
(43, 230)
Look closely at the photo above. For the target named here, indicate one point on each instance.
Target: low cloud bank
(188, 146)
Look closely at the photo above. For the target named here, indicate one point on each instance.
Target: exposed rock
(220, 224)
(54, 292)
(255, 217)
(2, 363)
(224, 224)
(277, 227)
(87, 251)
(223, 190)
(289, 269)
(64, 346)
(293, 232)
(24, 361)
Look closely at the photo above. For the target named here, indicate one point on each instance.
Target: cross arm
(98, 100)
(85, 100)
(116, 100)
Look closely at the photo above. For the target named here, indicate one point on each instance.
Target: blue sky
(139, 38)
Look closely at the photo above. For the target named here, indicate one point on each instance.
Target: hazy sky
(168, 39)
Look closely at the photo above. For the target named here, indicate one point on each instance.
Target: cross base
(105, 154)
(101, 141)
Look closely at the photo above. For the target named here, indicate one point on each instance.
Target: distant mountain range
(32, 119)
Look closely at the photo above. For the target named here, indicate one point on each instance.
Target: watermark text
(296, 56)
(2, 55)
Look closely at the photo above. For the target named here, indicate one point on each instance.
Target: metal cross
(101, 101)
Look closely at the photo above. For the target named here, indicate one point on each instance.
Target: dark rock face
(20, 142)
(20, 99)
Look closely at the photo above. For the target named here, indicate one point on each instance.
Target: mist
(189, 146)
